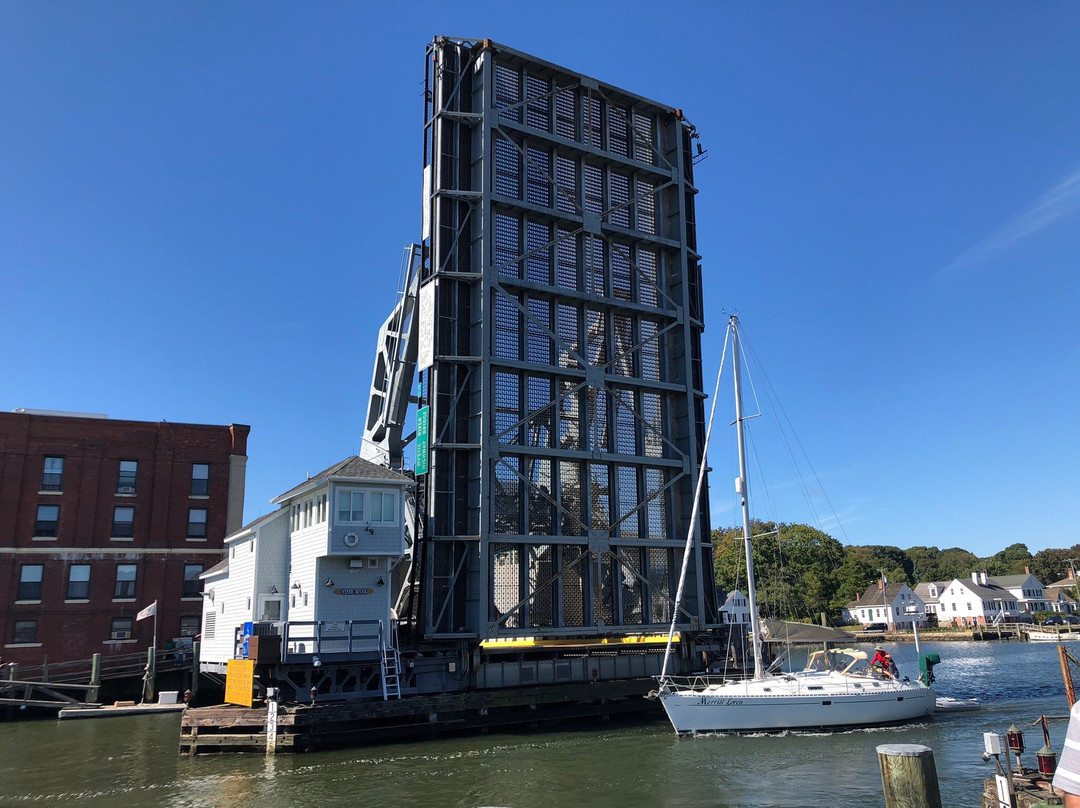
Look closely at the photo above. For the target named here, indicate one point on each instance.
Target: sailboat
(837, 688)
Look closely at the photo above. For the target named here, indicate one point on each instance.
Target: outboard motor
(926, 668)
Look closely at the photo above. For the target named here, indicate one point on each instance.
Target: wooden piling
(908, 776)
(95, 678)
(194, 669)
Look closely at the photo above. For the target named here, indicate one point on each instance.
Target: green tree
(955, 563)
(925, 563)
(1050, 566)
(794, 566)
(1010, 561)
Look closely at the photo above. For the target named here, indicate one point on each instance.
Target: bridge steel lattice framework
(563, 366)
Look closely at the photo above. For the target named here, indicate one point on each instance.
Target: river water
(123, 762)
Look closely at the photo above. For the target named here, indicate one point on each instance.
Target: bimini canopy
(784, 632)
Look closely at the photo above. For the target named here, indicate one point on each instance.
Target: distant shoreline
(955, 635)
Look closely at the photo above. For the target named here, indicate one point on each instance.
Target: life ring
(351, 539)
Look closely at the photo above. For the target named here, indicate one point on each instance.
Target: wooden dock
(327, 725)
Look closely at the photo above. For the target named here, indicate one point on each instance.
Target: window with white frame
(350, 506)
(382, 507)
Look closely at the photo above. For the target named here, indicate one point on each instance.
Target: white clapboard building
(317, 572)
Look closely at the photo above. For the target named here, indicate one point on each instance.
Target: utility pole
(1076, 583)
(884, 599)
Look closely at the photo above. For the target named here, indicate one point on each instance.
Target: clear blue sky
(203, 206)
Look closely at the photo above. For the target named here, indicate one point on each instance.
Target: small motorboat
(947, 704)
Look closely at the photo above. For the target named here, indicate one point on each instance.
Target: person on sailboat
(883, 662)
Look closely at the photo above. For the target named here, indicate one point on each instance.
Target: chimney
(880, 585)
(974, 577)
(1027, 570)
(983, 578)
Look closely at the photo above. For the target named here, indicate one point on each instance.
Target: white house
(736, 608)
(976, 602)
(1063, 594)
(316, 572)
(930, 594)
(1026, 590)
(895, 605)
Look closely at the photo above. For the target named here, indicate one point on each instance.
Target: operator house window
(25, 632)
(125, 582)
(196, 523)
(52, 477)
(350, 506)
(123, 523)
(48, 517)
(200, 479)
(125, 482)
(78, 587)
(30, 582)
(382, 507)
(192, 585)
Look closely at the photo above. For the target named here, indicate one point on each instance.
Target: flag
(149, 611)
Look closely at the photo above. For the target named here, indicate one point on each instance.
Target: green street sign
(423, 419)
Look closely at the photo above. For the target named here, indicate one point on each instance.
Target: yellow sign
(240, 682)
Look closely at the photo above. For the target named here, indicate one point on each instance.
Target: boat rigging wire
(688, 550)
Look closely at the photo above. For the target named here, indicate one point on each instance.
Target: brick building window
(121, 628)
(123, 522)
(52, 476)
(192, 585)
(78, 587)
(196, 523)
(200, 479)
(30, 582)
(125, 582)
(125, 481)
(25, 632)
(48, 519)
(189, 625)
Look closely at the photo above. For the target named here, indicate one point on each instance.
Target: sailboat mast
(741, 489)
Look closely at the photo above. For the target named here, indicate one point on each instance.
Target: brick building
(99, 518)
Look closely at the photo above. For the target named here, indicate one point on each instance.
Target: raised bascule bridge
(545, 356)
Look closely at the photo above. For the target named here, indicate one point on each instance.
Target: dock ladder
(390, 661)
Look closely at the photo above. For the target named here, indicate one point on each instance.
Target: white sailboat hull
(781, 703)
(1047, 635)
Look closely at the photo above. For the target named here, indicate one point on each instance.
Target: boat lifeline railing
(303, 640)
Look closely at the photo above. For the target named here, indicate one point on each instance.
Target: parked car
(1054, 620)
(876, 627)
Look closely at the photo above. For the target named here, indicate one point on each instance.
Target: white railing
(301, 641)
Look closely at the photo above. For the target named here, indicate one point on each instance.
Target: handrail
(117, 666)
(296, 635)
